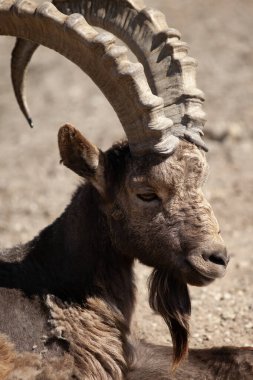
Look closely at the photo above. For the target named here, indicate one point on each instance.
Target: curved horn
(21, 56)
(169, 70)
(122, 82)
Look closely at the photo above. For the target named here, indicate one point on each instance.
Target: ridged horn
(123, 83)
(170, 72)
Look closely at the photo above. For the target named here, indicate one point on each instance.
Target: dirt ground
(34, 188)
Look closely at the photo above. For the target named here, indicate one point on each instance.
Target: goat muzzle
(205, 265)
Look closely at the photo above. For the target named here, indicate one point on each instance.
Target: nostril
(217, 258)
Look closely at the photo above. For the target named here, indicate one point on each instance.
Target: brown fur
(97, 337)
(223, 363)
(151, 362)
(82, 264)
(170, 297)
(28, 366)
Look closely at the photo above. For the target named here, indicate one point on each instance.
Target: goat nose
(218, 257)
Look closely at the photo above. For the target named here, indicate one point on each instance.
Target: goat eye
(148, 197)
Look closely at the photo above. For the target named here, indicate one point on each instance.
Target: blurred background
(35, 189)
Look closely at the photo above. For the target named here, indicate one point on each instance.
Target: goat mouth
(196, 277)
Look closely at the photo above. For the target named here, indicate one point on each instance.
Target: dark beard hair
(169, 296)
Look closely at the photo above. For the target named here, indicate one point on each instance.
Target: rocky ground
(34, 188)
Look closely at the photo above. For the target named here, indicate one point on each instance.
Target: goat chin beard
(170, 297)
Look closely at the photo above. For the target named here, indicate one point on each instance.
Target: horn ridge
(170, 72)
(122, 82)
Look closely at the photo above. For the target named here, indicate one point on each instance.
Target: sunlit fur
(163, 233)
(85, 257)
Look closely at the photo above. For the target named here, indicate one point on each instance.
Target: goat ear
(79, 155)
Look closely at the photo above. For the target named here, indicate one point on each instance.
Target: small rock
(34, 347)
(226, 296)
(227, 315)
(235, 131)
(218, 297)
(217, 132)
(243, 264)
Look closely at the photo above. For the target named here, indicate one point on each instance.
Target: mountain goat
(141, 199)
